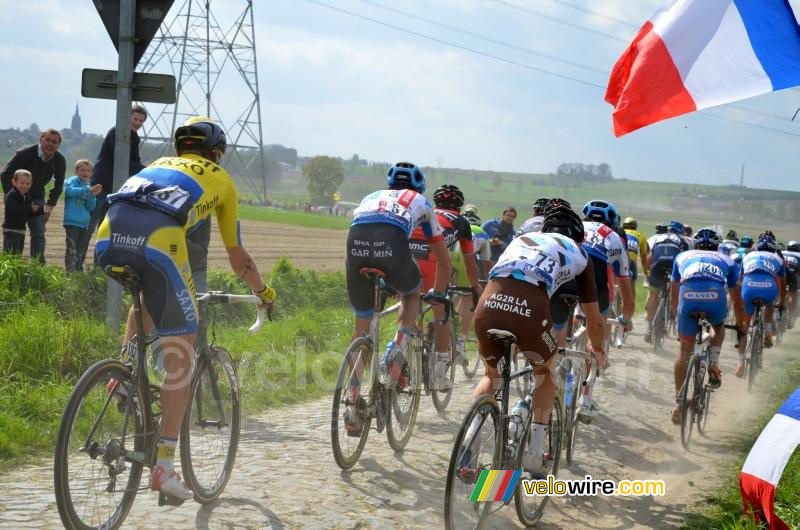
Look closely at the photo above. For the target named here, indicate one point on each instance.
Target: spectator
(79, 203)
(501, 231)
(45, 163)
(18, 207)
(104, 165)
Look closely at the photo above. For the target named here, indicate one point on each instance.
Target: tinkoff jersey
(605, 244)
(761, 261)
(188, 188)
(637, 244)
(405, 209)
(541, 259)
(705, 265)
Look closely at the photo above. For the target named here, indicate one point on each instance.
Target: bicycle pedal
(168, 500)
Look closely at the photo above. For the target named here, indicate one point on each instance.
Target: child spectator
(80, 201)
(18, 207)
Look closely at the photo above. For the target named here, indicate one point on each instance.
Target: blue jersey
(705, 265)
(792, 261)
(665, 247)
(760, 261)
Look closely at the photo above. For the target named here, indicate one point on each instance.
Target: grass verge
(309, 220)
(723, 508)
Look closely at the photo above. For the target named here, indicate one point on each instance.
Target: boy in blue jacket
(78, 213)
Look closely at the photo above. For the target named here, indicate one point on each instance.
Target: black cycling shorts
(601, 283)
(659, 271)
(154, 245)
(791, 279)
(381, 246)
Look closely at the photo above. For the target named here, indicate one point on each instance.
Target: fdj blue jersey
(760, 261)
(705, 265)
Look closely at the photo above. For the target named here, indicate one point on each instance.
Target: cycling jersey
(761, 261)
(405, 209)
(730, 242)
(604, 243)
(480, 242)
(705, 265)
(792, 268)
(761, 271)
(549, 260)
(728, 249)
(534, 224)
(455, 229)
(689, 242)
(703, 275)
(188, 188)
(637, 244)
(664, 248)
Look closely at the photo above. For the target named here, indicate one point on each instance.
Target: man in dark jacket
(501, 231)
(45, 164)
(104, 166)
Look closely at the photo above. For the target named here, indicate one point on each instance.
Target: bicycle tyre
(207, 476)
(346, 457)
(571, 422)
(756, 345)
(399, 435)
(688, 398)
(441, 398)
(470, 368)
(463, 472)
(90, 392)
(659, 324)
(530, 516)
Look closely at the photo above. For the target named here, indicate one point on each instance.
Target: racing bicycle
(694, 397)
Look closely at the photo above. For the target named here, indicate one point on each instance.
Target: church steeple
(76, 121)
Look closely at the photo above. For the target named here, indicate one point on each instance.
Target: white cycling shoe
(534, 465)
(440, 380)
(588, 413)
(169, 483)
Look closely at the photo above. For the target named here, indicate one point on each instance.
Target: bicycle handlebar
(216, 297)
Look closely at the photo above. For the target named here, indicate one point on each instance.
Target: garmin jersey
(637, 244)
(480, 241)
(761, 261)
(666, 247)
(604, 243)
(705, 265)
(455, 229)
(405, 209)
(534, 224)
(550, 260)
(188, 188)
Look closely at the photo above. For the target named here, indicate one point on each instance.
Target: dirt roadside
(285, 476)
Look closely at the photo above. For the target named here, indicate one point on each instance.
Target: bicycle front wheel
(688, 399)
(476, 449)
(441, 398)
(210, 430)
(100, 449)
(571, 422)
(531, 508)
(351, 399)
(404, 400)
(659, 324)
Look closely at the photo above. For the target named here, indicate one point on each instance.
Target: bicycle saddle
(125, 275)
(502, 336)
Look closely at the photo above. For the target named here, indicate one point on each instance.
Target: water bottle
(570, 382)
(519, 415)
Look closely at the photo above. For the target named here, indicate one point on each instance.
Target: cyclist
(699, 278)
(731, 238)
(378, 238)
(531, 269)
(448, 200)
(764, 278)
(534, 224)
(637, 247)
(792, 257)
(480, 242)
(664, 249)
(607, 251)
(145, 228)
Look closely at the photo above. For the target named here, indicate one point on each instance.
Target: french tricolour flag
(764, 465)
(695, 54)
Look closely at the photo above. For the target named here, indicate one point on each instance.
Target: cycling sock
(713, 355)
(587, 395)
(742, 357)
(400, 337)
(166, 453)
(538, 433)
(442, 356)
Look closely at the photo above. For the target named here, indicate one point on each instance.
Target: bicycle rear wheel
(210, 429)
(688, 399)
(356, 395)
(441, 398)
(404, 402)
(95, 477)
(476, 449)
(530, 509)
(756, 347)
(659, 324)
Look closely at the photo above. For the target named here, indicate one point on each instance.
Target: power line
(596, 13)
(457, 46)
(558, 20)
(483, 37)
(734, 120)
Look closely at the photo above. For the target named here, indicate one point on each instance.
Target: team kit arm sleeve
(228, 217)
(587, 291)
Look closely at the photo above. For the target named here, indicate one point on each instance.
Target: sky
(453, 83)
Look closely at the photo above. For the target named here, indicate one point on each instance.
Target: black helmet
(662, 228)
(561, 219)
(732, 235)
(766, 244)
(472, 217)
(707, 239)
(793, 246)
(200, 131)
(556, 201)
(539, 205)
(449, 197)
(766, 234)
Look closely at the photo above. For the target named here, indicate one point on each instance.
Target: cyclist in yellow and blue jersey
(637, 249)
(146, 228)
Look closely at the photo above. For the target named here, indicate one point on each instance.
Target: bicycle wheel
(530, 509)
(404, 402)
(688, 399)
(355, 396)
(659, 324)
(476, 449)
(441, 398)
(756, 347)
(473, 358)
(210, 429)
(704, 403)
(522, 384)
(95, 478)
(571, 422)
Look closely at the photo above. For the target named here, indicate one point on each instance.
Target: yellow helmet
(630, 223)
(201, 130)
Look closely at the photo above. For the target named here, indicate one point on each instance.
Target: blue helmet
(602, 212)
(746, 242)
(676, 227)
(707, 239)
(406, 175)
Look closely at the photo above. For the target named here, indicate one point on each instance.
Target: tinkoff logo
(495, 485)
